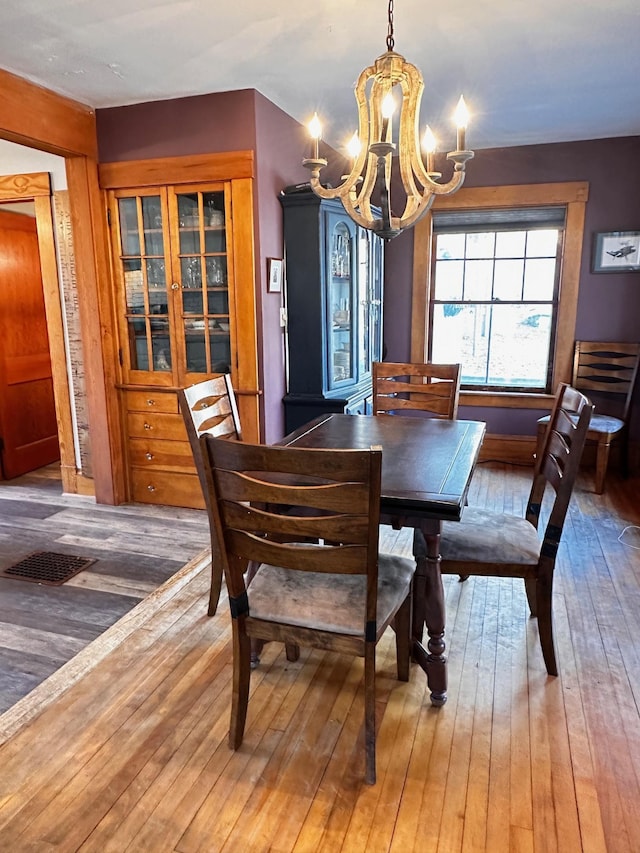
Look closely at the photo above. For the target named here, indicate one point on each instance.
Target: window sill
(506, 399)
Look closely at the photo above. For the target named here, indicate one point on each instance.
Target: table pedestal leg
(428, 608)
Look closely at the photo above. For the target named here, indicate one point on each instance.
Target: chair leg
(530, 587)
(241, 678)
(216, 586)
(544, 594)
(402, 627)
(540, 434)
(292, 651)
(370, 712)
(602, 460)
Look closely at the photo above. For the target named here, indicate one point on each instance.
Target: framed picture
(616, 251)
(274, 270)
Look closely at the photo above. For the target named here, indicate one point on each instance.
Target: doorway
(35, 410)
(28, 426)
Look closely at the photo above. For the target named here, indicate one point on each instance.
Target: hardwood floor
(134, 756)
(136, 549)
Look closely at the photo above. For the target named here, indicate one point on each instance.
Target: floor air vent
(47, 567)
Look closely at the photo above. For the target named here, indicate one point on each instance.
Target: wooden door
(28, 427)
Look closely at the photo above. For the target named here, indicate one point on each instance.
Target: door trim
(36, 187)
(36, 117)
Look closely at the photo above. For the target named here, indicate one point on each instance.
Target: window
(493, 266)
(494, 298)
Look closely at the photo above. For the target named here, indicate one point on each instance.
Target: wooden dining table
(427, 466)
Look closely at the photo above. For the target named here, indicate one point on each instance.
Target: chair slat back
(424, 387)
(608, 371)
(267, 502)
(559, 460)
(209, 407)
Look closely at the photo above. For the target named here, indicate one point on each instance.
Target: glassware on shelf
(216, 272)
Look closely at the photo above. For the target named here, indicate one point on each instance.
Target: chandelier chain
(390, 39)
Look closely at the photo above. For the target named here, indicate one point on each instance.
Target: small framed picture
(616, 251)
(274, 270)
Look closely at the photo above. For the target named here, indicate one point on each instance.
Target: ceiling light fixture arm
(369, 183)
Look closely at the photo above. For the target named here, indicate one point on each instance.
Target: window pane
(161, 350)
(450, 246)
(481, 245)
(542, 243)
(519, 346)
(478, 279)
(134, 286)
(448, 280)
(539, 279)
(191, 272)
(500, 345)
(192, 302)
(461, 334)
(508, 280)
(510, 244)
(130, 238)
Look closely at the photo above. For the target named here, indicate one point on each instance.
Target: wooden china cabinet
(185, 308)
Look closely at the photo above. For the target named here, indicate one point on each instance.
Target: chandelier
(376, 156)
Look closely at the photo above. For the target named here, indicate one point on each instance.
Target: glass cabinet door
(341, 302)
(174, 269)
(204, 281)
(369, 301)
(144, 270)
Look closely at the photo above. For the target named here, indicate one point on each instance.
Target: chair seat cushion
(490, 537)
(599, 424)
(328, 602)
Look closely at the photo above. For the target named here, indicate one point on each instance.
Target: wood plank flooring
(136, 549)
(134, 757)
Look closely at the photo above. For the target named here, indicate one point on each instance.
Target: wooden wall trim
(34, 116)
(569, 288)
(506, 400)
(245, 315)
(515, 195)
(30, 185)
(573, 194)
(200, 168)
(90, 236)
(421, 288)
(513, 449)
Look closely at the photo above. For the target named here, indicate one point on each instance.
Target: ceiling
(532, 71)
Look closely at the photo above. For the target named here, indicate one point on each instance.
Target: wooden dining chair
(401, 388)
(607, 372)
(210, 407)
(335, 592)
(495, 544)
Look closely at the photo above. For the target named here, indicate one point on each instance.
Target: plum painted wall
(230, 121)
(608, 304)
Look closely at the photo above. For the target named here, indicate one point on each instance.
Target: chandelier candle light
(373, 162)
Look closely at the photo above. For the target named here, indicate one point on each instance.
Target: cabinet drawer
(156, 425)
(164, 487)
(357, 408)
(152, 401)
(152, 453)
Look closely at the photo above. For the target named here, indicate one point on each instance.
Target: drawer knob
(149, 456)
(148, 426)
(151, 488)
(151, 402)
